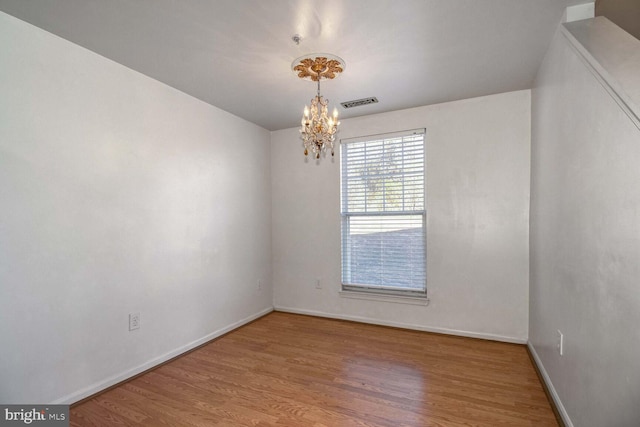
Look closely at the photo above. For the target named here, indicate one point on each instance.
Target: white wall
(118, 194)
(477, 233)
(585, 242)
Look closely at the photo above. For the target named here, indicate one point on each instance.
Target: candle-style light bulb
(335, 113)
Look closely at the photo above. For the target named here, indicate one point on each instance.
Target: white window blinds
(383, 213)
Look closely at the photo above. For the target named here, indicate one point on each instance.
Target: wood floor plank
(293, 370)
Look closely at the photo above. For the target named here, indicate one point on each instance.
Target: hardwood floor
(293, 370)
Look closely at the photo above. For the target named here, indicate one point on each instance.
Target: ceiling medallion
(317, 129)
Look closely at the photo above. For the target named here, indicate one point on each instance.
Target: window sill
(400, 299)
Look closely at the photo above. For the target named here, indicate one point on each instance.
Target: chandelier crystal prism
(317, 128)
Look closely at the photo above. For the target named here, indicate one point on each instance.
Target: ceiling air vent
(359, 102)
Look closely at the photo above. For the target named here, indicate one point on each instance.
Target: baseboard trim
(104, 385)
(558, 407)
(369, 320)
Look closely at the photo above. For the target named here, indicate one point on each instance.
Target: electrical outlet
(259, 284)
(318, 284)
(560, 343)
(134, 321)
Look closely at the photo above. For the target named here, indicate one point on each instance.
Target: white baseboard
(445, 331)
(547, 380)
(115, 379)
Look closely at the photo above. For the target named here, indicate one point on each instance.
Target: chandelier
(317, 128)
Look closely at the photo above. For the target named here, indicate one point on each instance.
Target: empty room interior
(304, 213)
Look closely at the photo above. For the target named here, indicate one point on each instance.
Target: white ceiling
(237, 54)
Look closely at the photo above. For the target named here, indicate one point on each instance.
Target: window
(383, 213)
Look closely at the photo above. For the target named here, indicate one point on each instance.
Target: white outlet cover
(134, 321)
(560, 343)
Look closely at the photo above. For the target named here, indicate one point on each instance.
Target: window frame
(345, 220)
